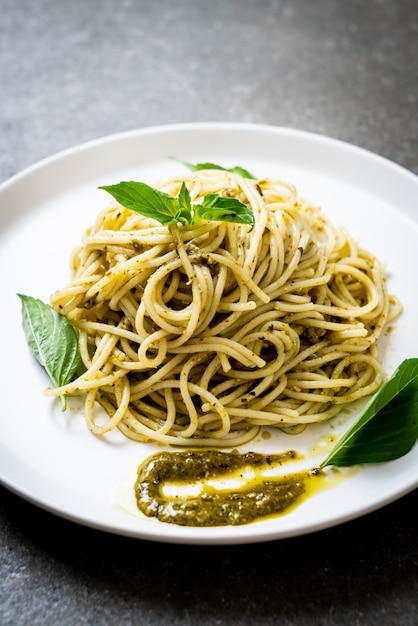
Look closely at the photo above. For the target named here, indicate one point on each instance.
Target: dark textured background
(73, 71)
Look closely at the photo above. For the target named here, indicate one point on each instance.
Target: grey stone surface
(71, 71)
(74, 71)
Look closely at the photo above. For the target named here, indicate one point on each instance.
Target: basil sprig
(388, 427)
(167, 209)
(195, 167)
(52, 340)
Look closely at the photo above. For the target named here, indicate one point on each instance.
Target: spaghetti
(199, 335)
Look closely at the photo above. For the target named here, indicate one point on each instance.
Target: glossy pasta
(199, 335)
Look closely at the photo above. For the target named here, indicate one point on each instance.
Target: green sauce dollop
(216, 506)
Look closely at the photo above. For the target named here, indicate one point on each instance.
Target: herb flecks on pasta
(199, 334)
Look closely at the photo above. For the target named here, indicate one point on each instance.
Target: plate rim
(204, 125)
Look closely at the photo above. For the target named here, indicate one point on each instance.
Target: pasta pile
(202, 334)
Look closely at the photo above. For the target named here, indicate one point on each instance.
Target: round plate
(49, 457)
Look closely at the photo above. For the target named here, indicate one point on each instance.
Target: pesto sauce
(213, 506)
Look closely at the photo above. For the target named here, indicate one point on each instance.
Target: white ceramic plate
(49, 457)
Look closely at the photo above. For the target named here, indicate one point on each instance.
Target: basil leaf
(149, 202)
(195, 167)
(388, 427)
(52, 340)
(219, 208)
(184, 198)
(167, 209)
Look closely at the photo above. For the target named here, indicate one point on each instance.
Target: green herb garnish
(168, 209)
(52, 340)
(388, 427)
(195, 167)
